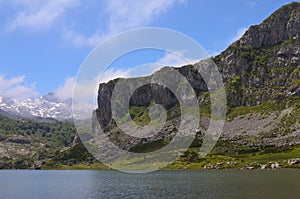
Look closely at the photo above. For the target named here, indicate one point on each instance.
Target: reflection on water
(160, 184)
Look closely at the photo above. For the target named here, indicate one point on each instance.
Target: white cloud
(132, 13)
(65, 91)
(175, 59)
(16, 88)
(113, 74)
(39, 15)
(88, 88)
(238, 35)
(123, 15)
(79, 40)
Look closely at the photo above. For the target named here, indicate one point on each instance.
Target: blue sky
(43, 43)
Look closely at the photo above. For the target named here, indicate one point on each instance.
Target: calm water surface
(161, 184)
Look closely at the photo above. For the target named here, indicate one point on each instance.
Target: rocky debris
(294, 161)
(275, 165)
(263, 166)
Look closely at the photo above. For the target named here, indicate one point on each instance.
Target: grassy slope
(240, 156)
(27, 143)
(214, 160)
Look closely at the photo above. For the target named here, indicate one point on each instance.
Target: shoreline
(84, 169)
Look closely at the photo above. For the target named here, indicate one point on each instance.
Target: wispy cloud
(17, 88)
(38, 15)
(238, 35)
(79, 40)
(89, 88)
(65, 91)
(175, 59)
(122, 15)
(113, 73)
(132, 13)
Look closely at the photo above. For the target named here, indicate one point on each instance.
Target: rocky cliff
(264, 64)
(260, 69)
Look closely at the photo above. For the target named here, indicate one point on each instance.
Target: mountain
(264, 63)
(47, 106)
(261, 73)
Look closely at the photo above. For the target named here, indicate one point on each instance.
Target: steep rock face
(103, 112)
(280, 26)
(263, 65)
(146, 94)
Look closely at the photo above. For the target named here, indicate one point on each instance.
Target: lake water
(160, 184)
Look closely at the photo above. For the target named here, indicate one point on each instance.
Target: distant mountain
(47, 106)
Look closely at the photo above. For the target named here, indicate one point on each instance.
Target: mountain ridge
(260, 69)
(43, 107)
(281, 24)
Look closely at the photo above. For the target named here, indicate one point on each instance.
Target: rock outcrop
(263, 65)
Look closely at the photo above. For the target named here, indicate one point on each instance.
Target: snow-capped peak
(47, 106)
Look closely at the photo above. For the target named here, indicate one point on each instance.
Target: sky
(44, 43)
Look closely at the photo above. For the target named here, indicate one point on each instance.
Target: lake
(161, 184)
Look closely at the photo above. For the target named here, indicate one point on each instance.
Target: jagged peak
(284, 12)
(292, 5)
(280, 26)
